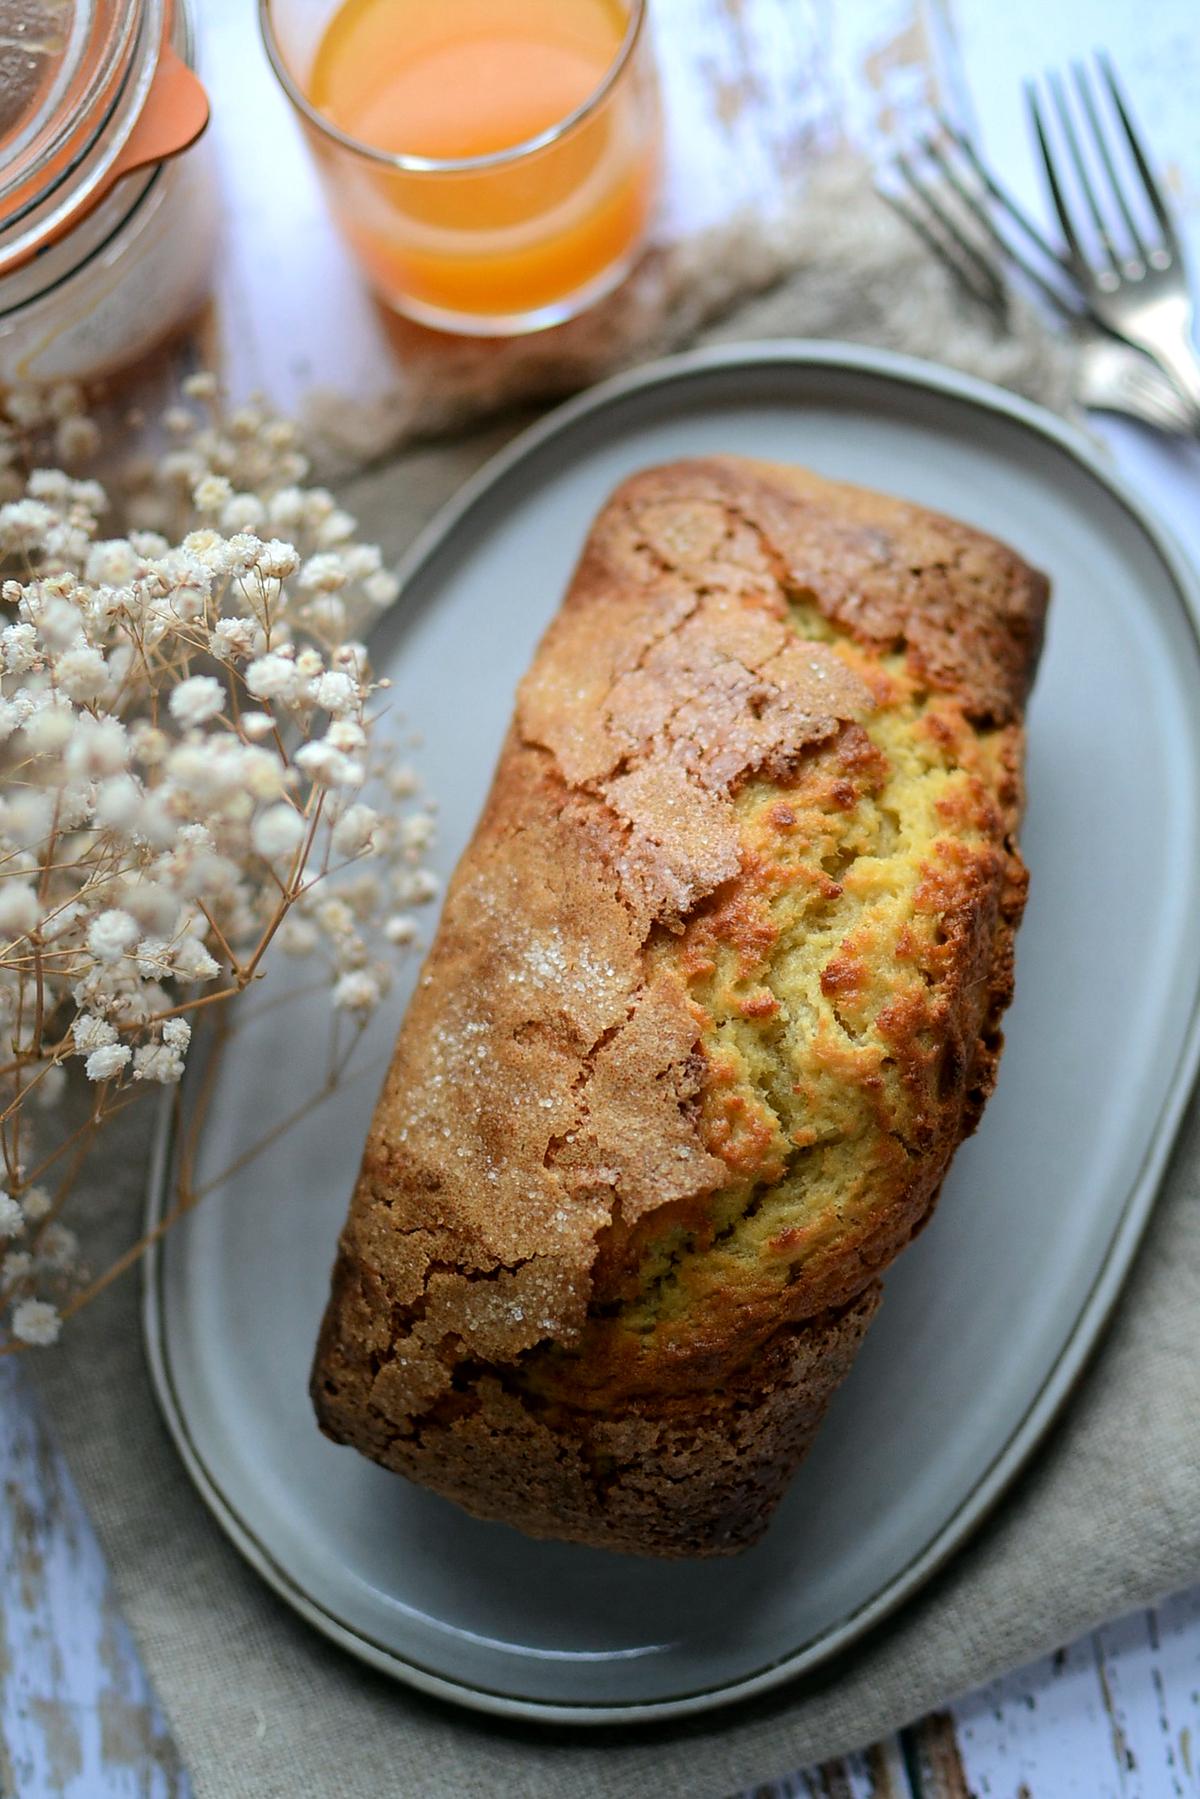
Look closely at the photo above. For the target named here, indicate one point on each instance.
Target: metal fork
(954, 213)
(1129, 270)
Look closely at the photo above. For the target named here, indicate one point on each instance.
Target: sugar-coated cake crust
(715, 995)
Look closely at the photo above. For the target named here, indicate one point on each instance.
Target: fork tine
(1111, 381)
(1083, 88)
(1000, 195)
(1159, 396)
(961, 271)
(982, 216)
(1079, 162)
(988, 283)
(1153, 192)
(1074, 249)
(1147, 397)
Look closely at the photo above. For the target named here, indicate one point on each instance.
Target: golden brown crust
(714, 997)
(675, 1477)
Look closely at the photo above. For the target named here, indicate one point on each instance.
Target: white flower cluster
(186, 733)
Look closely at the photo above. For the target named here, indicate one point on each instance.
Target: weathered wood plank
(77, 1717)
(876, 1773)
(1115, 1716)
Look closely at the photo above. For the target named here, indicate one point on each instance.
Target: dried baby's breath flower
(211, 493)
(357, 992)
(354, 831)
(278, 832)
(196, 700)
(35, 1321)
(36, 1204)
(416, 888)
(187, 722)
(402, 782)
(103, 1064)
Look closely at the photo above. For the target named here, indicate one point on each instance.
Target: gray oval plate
(986, 1321)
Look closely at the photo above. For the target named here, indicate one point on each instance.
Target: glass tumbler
(498, 243)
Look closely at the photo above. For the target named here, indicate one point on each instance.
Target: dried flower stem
(187, 726)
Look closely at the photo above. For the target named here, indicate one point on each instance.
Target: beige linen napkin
(1107, 1518)
(828, 260)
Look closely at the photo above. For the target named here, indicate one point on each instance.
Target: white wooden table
(1114, 1716)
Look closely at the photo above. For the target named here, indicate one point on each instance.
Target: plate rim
(1097, 1306)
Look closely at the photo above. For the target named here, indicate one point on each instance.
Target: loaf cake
(715, 995)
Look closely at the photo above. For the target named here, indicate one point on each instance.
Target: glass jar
(108, 231)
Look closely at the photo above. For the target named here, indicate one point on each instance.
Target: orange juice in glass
(493, 163)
